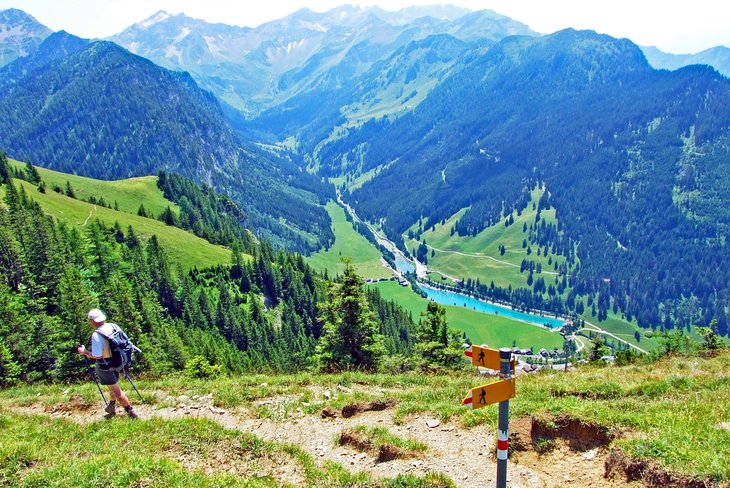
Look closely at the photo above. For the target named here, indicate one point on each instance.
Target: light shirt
(99, 345)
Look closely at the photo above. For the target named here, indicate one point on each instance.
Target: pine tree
(9, 369)
(31, 173)
(5, 173)
(350, 339)
(74, 301)
(436, 345)
(69, 190)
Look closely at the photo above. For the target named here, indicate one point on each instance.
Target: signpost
(498, 392)
(485, 357)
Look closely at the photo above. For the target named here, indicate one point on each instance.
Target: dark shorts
(107, 377)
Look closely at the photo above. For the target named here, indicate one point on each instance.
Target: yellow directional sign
(486, 357)
(496, 392)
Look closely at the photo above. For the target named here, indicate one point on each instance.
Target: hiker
(100, 351)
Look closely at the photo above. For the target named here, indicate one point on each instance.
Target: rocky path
(464, 455)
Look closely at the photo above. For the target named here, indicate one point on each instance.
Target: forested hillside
(265, 311)
(94, 109)
(630, 157)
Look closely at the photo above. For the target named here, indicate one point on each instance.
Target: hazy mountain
(20, 35)
(254, 69)
(339, 100)
(718, 57)
(632, 158)
(94, 109)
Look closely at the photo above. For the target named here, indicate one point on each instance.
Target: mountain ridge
(718, 57)
(115, 114)
(20, 34)
(250, 57)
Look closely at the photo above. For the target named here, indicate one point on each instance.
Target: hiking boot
(111, 410)
(130, 412)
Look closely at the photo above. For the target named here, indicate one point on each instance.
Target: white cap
(96, 315)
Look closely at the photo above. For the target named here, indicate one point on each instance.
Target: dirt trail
(464, 455)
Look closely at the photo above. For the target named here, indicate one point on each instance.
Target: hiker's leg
(116, 392)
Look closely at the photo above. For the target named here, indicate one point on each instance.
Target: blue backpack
(121, 348)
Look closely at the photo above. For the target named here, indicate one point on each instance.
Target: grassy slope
(623, 329)
(480, 328)
(675, 411)
(183, 248)
(128, 194)
(479, 257)
(486, 268)
(348, 242)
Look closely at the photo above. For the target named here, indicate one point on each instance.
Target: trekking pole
(93, 377)
(126, 375)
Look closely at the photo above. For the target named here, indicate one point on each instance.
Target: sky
(672, 25)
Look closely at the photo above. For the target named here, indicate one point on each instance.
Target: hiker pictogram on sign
(496, 392)
(485, 357)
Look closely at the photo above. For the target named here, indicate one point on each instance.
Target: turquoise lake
(444, 297)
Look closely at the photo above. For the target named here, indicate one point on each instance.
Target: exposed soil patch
(329, 413)
(389, 452)
(358, 440)
(74, 404)
(532, 433)
(620, 465)
(579, 435)
(386, 452)
(374, 406)
(562, 451)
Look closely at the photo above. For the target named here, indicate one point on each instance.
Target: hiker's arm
(82, 350)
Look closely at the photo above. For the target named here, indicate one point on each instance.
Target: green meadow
(127, 194)
(623, 329)
(183, 248)
(479, 327)
(348, 243)
(479, 257)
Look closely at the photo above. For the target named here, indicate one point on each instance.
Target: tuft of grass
(544, 445)
(379, 436)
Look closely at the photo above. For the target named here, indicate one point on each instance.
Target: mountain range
(435, 112)
(631, 157)
(718, 57)
(94, 109)
(255, 68)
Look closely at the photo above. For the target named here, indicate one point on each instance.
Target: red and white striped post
(505, 357)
